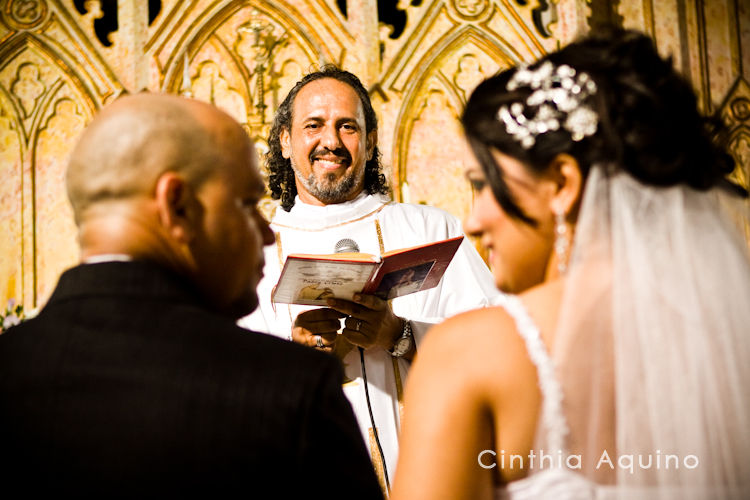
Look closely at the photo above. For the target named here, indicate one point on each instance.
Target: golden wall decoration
(736, 113)
(244, 56)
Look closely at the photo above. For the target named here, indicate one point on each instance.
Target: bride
(620, 369)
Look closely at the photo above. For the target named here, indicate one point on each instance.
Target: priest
(324, 167)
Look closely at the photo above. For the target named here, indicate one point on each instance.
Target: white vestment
(375, 224)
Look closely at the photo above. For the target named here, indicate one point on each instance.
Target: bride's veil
(653, 340)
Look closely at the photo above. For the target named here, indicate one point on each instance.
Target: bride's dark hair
(648, 121)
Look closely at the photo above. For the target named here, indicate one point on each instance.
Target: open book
(311, 279)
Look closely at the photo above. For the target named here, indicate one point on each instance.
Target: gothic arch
(59, 56)
(38, 74)
(435, 68)
(11, 199)
(56, 56)
(8, 103)
(200, 32)
(222, 36)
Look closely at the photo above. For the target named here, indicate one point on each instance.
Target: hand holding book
(311, 279)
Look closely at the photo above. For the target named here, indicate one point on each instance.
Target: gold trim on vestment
(380, 237)
(377, 461)
(396, 369)
(280, 254)
(399, 390)
(278, 249)
(335, 225)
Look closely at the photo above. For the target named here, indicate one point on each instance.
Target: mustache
(338, 152)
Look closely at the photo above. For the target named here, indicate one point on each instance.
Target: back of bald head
(131, 142)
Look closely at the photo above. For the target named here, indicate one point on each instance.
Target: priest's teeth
(328, 163)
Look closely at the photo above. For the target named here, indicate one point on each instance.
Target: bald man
(134, 379)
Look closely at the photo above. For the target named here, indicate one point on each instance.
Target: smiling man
(324, 166)
(329, 148)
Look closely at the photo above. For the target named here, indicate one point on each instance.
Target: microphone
(346, 245)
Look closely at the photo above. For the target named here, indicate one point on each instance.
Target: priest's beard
(329, 189)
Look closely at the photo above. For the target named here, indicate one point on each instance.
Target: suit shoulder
(260, 352)
(292, 351)
(289, 358)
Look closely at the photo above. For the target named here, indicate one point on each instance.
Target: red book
(311, 279)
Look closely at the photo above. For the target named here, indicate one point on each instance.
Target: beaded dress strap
(554, 425)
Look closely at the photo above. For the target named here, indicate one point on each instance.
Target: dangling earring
(562, 242)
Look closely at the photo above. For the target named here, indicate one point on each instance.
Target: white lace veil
(653, 340)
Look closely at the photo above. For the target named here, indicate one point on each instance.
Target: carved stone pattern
(27, 87)
(740, 149)
(740, 108)
(470, 8)
(290, 72)
(544, 16)
(247, 76)
(65, 117)
(436, 153)
(211, 86)
(56, 246)
(11, 275)
(25, 14)
(422, 85)
(468, 74)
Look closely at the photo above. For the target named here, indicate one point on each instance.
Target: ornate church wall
(62, 60)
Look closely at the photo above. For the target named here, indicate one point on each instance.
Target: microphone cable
(349, 245)
(372, 419)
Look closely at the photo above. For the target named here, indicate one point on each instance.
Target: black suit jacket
(126, 384)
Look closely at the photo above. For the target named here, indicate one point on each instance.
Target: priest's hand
(370, 321)
(318, 328)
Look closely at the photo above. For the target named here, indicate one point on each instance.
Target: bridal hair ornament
(559, 93)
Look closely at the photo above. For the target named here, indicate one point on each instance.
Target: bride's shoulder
(482, 348)
(478, 329)
(472, 330)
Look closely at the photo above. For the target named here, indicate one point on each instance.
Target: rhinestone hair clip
(559, 93)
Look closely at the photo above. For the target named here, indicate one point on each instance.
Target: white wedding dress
(557, 482)
(651, 348)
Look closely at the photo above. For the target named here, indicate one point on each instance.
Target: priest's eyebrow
(319, 120)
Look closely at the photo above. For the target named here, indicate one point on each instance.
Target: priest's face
(328, 144)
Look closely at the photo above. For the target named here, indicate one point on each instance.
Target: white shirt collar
(306, 216)
(107, 257)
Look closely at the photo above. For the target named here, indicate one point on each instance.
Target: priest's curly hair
(281, 175)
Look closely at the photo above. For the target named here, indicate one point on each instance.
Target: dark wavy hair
(281, 175)
(649, 124)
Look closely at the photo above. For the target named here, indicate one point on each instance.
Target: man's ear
(285, 139)
(566, 174)
(372, 141)
(175, 201)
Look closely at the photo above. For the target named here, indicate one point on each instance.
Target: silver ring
(319, 342)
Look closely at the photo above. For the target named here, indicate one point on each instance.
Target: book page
(311, 282)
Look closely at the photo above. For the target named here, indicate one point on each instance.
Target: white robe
(467, 284)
